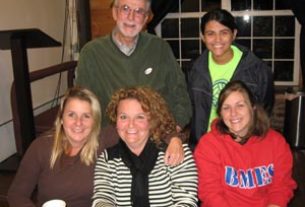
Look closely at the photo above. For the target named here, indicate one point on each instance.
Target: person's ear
(149, 16)
(234, 33)
(114, 13)
(202, 37)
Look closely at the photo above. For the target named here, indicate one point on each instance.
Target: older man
(130, 57)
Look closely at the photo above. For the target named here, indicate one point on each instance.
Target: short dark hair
(260, 121)
(220, 15)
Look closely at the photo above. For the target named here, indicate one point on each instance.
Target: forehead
(235, 96)
(77, 104)
(133, 3)
(130, 105)
(214, 25)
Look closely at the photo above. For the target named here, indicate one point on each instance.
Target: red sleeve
(281, 190)
(210, 189)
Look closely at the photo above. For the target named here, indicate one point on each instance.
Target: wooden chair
(43, 121)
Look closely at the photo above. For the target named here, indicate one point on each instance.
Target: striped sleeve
(184, 181)
(103, 193)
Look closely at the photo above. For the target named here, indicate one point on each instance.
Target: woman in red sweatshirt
(242, 161)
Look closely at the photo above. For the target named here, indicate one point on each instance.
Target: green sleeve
(179, 101)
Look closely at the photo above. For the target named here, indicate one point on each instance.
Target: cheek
(90, 124)
(224, 115)
(229, 39)
(120, 124)
(144, 127)
(66, 123)
(207, 40)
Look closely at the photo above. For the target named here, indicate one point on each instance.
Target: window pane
(244, 26)
(190, 6)
(240, 5)
(170, 28)
(175, 47)
(281, 4)
(269, 63)
(262, 4)
(283, 71)
(262, 48)
(190, 27)
(208, 5)
(284, 49)
(246, 43)
(190, 49)
(262, 26)
(284, 26)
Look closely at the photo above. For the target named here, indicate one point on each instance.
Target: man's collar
(126, 49)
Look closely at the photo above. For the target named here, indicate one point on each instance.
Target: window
(267, 27)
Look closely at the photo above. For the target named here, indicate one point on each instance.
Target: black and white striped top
(168, 186)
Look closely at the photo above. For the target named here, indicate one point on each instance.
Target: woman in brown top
(60, 166)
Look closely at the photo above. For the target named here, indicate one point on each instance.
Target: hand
(273, 205)
(174, 154)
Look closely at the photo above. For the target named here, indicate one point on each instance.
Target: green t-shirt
(221, 75)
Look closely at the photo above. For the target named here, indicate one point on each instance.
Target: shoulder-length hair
(161, 120)
(61, 143)
(260, 122)
(220, 15)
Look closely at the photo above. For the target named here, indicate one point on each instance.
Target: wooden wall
(101, 17)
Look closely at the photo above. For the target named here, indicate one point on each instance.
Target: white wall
(48, 16)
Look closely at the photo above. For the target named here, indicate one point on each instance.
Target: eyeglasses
(139, 13)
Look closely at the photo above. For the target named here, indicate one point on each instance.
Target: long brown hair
(260, 122)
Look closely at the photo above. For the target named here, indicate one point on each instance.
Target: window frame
(226, 4)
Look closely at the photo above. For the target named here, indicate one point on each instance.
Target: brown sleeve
(26, 179)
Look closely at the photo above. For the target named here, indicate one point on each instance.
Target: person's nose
(131, 14)
(218, 37)
(233, 111)
(78, 121)
(130, 123)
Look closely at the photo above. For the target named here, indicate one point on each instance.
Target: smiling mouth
(129, 25)
(131, 132)
(78, 130)
(235, 121)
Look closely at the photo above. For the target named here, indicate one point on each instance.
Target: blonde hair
(161, 120)
(61, 143)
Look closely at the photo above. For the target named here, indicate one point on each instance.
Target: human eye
(225, 108)
(140, 11)
(125, 9)
(70, 114)
(241, 105)
(209, 33)
(87, 116)
(226, 32)
(122, 117)
(141, 117)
